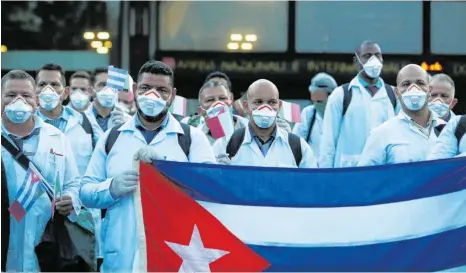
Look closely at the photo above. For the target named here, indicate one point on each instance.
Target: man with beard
(152, 133)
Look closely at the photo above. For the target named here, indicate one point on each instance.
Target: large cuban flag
(405, 217)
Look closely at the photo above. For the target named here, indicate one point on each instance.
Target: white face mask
(107, 97)
(414, 98)
(151, 104)
(439, 107)
(79, 99)
(264, 116)
(373, 66)
(216, 109)
(18, 111)
(48, 98)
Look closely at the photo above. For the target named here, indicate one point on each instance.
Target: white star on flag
(196, 258)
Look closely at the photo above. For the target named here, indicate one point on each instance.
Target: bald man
(409, 136)
(263, 142)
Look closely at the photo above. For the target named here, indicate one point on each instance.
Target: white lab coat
(26, 235)
(447, 146)
(398, 141)
(95, 125)
(302, 129)
(119, 234)
(343, 139)
(278, 155)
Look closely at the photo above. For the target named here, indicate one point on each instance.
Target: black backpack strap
(235, 142)
(391, 95)
(311, 124)
(295, 144)
(178, 117)
(460, 128)
(347, 96)
(88, 128)
(17, 154)
(438, 129)
(112, 138)
(184, 140)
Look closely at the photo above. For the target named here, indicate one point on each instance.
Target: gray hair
(17, 75)
(442, 77)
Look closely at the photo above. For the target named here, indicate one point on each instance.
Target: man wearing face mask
(152, 134)
(27, 138)
(409, 136)
(105, 110)
(354, 109)
(263, 143)
(442, 98)
(214, 95)
(80, 91)
(310, 127)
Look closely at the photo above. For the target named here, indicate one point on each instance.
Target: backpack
(460, 128)
(88, 128)
(183, 140)
(347, 96)
(238, 136)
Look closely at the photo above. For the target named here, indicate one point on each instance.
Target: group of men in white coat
(93, 144)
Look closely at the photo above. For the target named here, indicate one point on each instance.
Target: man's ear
(89, 91)
(174, 92)
(397, 92)
(66, 93)
(246, 107)
(453, 103)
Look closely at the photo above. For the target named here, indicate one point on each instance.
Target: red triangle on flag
(34, 177)
(174, 223)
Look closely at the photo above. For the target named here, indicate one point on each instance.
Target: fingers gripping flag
(31, 189)
(117, 78)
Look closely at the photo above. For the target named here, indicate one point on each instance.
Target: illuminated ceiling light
(424, 66)
(108, 44)
(102, 50)
(251, 37)
(103, 35)
(89, 35)
(236, 37)
(4, 48)
(233, 46)
(96, 44)
(437, 66)
(246, 46)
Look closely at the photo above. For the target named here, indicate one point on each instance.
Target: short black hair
(53, 67)
(366, 42)
(81, 75)
(157, 68)
(17, 75)
(98, 70)
(208, 84)
(219, 74)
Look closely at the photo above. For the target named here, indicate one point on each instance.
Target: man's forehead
(49, 75)
(214, 91)
(370, 48)
(79, 81)
(18, 85)
(154, 80)
(413, 73)
(101, 77)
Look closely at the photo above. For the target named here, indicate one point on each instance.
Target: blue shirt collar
(254, 135)
(138, 123)
(378, 84)
(65, 114)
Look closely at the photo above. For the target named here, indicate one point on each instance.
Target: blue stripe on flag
(429, 253)
(118, 70)
(22, 188)
(35, 191)
(259, 186)
(28, 187)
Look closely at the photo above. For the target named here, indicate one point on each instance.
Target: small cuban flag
(117, 78)
(31, 189)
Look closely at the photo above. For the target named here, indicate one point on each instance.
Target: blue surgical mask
(264, 116)
(151, 104)
(18, 111)
(107, 97)
(440, 108)
(48, 98)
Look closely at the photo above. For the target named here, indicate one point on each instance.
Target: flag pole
(141, 234)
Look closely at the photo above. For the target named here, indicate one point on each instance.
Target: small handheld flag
(290, 112)
(222, 124)
(178, 106)
(117, 78)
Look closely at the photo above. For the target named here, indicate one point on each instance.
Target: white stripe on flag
(32, 195)
(27, 185)
(345, 225)
(115, 82)
(179, 106)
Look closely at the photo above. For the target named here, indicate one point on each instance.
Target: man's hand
(283, 124)
(117, 115)
(124, 184)
(223, 159)
(147, 155)
(64, 205)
